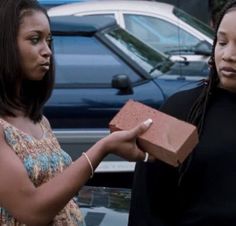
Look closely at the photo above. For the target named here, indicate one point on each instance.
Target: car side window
(160, 34)
(84, 61)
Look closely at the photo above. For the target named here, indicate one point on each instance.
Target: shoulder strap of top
(45, 123)
(10, 134)
(4, 123)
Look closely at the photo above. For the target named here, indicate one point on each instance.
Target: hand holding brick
(168, 139)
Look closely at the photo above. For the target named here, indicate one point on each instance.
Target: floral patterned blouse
(43, 159)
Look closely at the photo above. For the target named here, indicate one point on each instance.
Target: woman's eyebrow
(39, 32)
(221, 33)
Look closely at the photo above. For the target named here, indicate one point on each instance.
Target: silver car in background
(160, 25)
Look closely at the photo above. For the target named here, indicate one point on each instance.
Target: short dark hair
(16, 93)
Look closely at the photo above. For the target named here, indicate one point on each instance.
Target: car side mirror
(203, 48)
(122, 82)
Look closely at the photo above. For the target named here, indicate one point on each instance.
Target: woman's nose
(46, 50)
(230, 54)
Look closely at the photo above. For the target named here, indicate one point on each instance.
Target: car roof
(102, 5)
(53, 3)
(86, 25)
(57, 1)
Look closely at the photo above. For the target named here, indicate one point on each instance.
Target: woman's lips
(45, 66)
(228, 71)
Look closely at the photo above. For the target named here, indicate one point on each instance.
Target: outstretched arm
(38, 205)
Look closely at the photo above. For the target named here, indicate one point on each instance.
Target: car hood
(103, 206)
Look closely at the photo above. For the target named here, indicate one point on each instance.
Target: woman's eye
(222, 43)
(34, 40)
(49, 40)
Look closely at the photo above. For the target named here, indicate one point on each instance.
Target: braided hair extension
(197, 113)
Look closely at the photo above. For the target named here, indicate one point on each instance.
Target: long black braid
(197, 113)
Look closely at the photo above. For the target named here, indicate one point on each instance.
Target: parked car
(103, 206)
(100, 66)
(163, 26)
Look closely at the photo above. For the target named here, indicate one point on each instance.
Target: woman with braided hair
(201, 192)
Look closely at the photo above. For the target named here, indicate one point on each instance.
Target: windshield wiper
(163, 66)
(179, 50)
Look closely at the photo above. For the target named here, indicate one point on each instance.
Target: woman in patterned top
(38, 181)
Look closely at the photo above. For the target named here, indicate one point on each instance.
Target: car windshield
(152, 61)
(204, 28)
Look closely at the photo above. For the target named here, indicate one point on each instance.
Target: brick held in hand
(168, 139)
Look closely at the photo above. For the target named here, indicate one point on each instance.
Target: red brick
(168, 139)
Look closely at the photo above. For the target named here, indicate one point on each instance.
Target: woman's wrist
(104, 146)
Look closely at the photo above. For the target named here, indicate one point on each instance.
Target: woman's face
(225, 51)
(33, 41)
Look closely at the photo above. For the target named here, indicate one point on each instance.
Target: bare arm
(38, 206)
